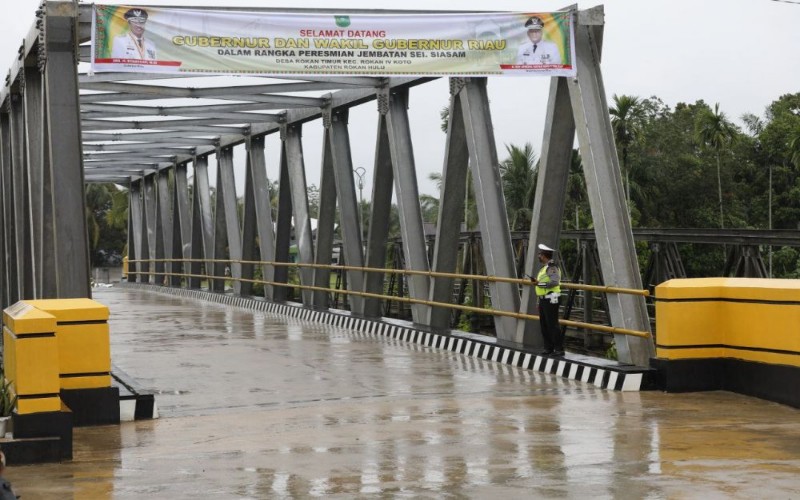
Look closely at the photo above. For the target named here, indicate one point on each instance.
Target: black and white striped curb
(620, 378)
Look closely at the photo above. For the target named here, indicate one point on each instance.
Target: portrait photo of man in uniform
(133, 45)
(537, 50)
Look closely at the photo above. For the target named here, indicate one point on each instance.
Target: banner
(176, 40)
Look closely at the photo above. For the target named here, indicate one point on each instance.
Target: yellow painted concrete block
(22, 318)
(764, 326)
(72, 310)
(89, 382)
(688, 323)
(38, 405)
(752, 319)
(31, 363)
(83, 348)
(762, 289)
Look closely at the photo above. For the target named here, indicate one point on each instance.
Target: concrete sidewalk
(257, 406)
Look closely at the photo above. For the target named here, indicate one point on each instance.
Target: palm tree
(627, 116)
(98, 201)
(576, 186)
(713, 131)
(444, 115)
(117, 215)
(518, 172)
(755, 126)
(429, 203)
(794, 149)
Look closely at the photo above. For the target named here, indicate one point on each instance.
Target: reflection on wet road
(258, 406)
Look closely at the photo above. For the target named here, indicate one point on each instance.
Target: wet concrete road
(258, 406)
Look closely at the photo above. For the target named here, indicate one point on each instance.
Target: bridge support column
(136, 230)
(10, 291)
(349, 210)
(407, 194)
(229, 216)
(490, 202)
(202, 228)
(283, 226)
(220, 239)
(326, 219)
(163, 227)
(293, 148)
(150, 224)
(451, 209)
(34, 135)
(606, 198)
(66, 162)
(181, 225)
(378, 232)
(19, 167)
(257, 215)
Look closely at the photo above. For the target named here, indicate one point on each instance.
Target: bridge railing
(150, 263)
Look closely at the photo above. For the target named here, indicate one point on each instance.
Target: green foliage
(611, 352)
(576, 209)
(518, 172)
(106, 209)
(467, 321)
(627, 117)
(714, 132)
(786, 262)
(7, 400)
(444, 115)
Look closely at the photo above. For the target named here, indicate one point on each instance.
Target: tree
(627, 115)
(444, 115)
(430, 204)
(107, 234)
(117, 216)
(518, 173)
(794, 148)
(714, 132)
(576, 191)
(780, 147)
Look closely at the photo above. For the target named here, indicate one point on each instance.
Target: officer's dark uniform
(548, 291)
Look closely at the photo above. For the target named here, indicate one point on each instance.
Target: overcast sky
(741, 53)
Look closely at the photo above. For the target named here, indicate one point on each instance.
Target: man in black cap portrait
(547, 284)
(537, 50)
(132, 45)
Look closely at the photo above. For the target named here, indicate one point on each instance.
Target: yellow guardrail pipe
(408, 300)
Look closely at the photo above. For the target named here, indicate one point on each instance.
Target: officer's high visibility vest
(542, 277)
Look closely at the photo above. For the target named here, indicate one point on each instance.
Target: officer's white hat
(545, 248)
(534, 23)
(136, 15)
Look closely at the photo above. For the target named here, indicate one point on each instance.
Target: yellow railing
(408, 300)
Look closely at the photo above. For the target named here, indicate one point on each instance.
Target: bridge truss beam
(117, 128)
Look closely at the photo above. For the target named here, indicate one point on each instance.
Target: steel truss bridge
(62, 128)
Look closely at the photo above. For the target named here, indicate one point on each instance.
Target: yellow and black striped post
(30, 358)
(84, 349)
(84, 359)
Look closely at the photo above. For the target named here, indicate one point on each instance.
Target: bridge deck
(254, 405)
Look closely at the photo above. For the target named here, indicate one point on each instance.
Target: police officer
(547, 284)
(536, 50)
(132, 44)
